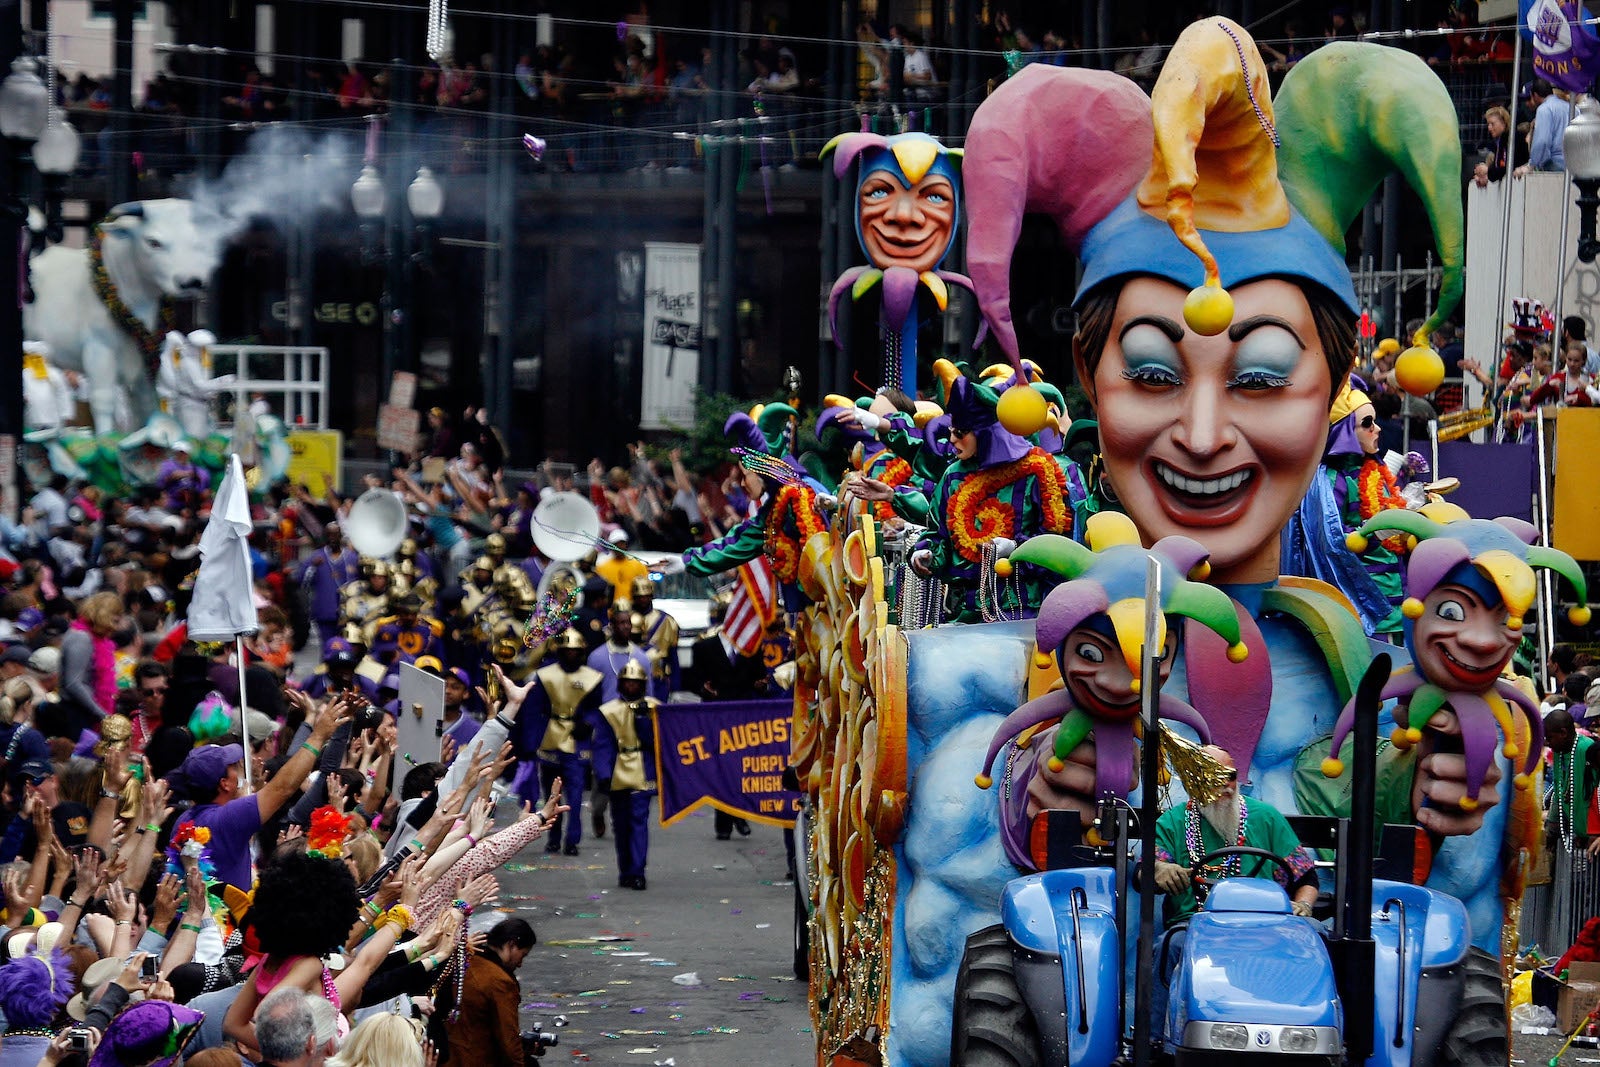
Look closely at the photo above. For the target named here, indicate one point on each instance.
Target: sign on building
(671, 335)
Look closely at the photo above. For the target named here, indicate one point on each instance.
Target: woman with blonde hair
(89, 666)
(384, 1040)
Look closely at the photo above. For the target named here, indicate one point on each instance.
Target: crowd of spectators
(623, 100)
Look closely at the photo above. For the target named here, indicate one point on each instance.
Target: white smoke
(283, 173)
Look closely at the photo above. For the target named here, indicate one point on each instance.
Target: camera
(78, 1039)
(536, 1042)
(150, 968)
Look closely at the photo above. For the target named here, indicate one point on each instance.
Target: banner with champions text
(729, 754)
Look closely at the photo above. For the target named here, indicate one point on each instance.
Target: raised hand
(484, 889)
(165, 907)
(480, 818)
(121, 903)
(515, 694)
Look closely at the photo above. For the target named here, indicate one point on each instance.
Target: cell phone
(150, 969)
(78, 1039)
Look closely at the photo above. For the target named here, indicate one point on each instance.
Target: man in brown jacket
(486, 1032)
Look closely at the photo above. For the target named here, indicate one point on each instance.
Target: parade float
(101, 326)
(1216, 330)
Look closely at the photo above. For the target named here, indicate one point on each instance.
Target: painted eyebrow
(1173, 331)
(1237, 331)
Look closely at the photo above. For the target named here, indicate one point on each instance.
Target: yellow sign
(314, 454)
(1576, 507)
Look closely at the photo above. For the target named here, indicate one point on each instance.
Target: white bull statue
(105, 311)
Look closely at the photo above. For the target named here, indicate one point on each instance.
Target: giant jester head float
(908, 196)
(1470, 584)
(1216, 314)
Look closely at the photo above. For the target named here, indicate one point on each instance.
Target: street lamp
(56, 156)
(24, 110)
(1581, 143)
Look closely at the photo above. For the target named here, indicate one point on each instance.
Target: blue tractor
(1391, 978)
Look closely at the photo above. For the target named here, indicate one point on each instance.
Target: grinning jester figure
(1470, 582)
(999, 492)
(1093, 628)
(789, 513)
(907, 211)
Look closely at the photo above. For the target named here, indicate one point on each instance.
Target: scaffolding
(1387, 291)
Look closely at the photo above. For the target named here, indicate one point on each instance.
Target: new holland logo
(1263, 1038)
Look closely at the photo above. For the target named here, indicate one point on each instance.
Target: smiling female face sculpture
(1214, 437)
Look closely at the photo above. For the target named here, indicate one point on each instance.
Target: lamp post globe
(367, 194)
(1581, 144)
(24, 101)
(56, 151)
(424, 196)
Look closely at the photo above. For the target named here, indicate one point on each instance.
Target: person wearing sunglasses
(1352, 485)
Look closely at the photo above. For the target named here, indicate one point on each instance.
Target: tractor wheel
(991, 1026)
(802, 937)
(1477, 1037)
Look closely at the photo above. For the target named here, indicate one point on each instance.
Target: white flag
(224, 604)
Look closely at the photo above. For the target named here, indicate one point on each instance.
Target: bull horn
(131, 209)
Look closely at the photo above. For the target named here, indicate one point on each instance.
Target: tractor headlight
(1230, 1036)
(1298, 1039)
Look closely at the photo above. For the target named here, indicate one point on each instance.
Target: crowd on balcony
(642, 100)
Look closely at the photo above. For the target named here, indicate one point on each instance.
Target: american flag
(753, 606)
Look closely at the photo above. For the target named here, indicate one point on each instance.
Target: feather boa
(104, 682)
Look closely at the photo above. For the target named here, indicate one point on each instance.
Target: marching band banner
(671, 335)
(729, 754)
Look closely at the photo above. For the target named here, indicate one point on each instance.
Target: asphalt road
(607, 957)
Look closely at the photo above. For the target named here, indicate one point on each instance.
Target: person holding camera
(484, 1033)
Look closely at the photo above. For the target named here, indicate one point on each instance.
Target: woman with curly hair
(304, 909)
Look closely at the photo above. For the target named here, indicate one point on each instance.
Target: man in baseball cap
(212, 776)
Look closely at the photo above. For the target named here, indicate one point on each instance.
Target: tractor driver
(1187, 833)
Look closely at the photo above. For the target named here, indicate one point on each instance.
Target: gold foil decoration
(1203, 777)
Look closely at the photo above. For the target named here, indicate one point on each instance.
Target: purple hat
(461, 676)
(971, 408)
(33, 988)
(337, 650)
(152, 1033)
(204, 768)
(30, 618)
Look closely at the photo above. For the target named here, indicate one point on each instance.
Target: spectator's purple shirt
(232, 825)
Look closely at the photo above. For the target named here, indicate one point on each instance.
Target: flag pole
(244, 705)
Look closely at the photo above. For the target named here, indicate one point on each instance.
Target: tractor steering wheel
(1204, 882)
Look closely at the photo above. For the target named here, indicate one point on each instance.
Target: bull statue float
(106, 313)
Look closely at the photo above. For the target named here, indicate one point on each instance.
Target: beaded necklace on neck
(1192, 841)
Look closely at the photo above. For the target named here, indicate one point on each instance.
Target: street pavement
(607, 957)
